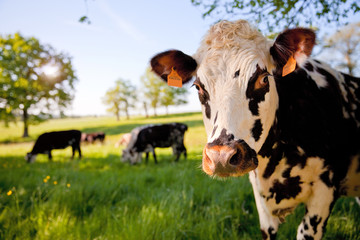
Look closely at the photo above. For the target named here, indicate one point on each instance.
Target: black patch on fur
(204, 99)
(309, 67)
(236, 73)
(307, 237)
(215, 119)
(223, 139)
(263, 234)
(257, 130)
(306, 227)
(272, 233)
(214, 130)
(314, 222)
(290, 188)
(256, 95)
(325, 177)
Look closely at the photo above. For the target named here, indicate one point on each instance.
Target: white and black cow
(270, 110)
(55, 140)
(147, 138)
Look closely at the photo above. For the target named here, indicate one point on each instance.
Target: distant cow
(147, 138)
(55, 140)
(92, 137)
(270, 110)
(124, 140)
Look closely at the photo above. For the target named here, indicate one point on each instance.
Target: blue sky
(119, 42)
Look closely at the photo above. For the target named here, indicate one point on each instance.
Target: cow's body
(147, 138)
(295, 131)
(55, 140)
(92, 137)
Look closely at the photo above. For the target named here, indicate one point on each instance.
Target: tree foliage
(343, 48)
(122, 97)
(151, 88)
(173, 96)
(33, 79)
(280, 14)
(159, 93)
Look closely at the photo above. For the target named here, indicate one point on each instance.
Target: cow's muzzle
(234, 158)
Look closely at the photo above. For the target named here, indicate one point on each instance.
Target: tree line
(153, 93)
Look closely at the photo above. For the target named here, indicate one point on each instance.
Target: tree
(287, 13)
(159, 93)
(33, 79)
(343, 48)
(121, 97)
(173, 96)
(152, 88)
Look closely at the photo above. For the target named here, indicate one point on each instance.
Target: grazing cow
(55, 140)
(270, 110)
(147, 138)
(92, 137)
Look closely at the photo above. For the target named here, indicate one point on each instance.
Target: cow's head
(30, 157)
(235, 70)
(131, 156)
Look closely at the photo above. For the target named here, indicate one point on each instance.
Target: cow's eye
(196, 86)
(264, 81)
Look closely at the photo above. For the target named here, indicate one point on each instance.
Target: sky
(119, 42)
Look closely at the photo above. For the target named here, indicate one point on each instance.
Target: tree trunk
(146, 110)
(26, 124)
(155, 112)
(127, 111)
(167, 110)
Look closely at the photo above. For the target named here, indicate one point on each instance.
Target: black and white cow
(55, 140)
(270, 110)
(147, 138)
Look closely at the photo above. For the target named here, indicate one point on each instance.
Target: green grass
(99, 197)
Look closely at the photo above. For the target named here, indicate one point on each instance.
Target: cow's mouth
(230, 160)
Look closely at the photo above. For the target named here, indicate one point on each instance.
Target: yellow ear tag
(289, 66)
(174, 79)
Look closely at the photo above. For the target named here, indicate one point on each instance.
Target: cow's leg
(146, 157)
(177, 152)
(318, 208)
(79, 151)
(49, 155)
(268, 223)
(154, 155)
(185, 153)
(73, 152)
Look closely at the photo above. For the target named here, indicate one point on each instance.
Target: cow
(92, 137)
(147, 138)
(55, 140)
(124, 140)
(270, 110)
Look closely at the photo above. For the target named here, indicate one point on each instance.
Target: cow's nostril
(235, 159)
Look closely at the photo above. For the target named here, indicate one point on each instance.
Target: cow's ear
(184, 65)
(292, 48)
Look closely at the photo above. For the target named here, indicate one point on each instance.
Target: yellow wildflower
(55, 182)
(9, 192)
(45, 180)
(68, 185)
(47, 177)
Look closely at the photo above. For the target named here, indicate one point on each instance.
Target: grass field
(99, 197)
